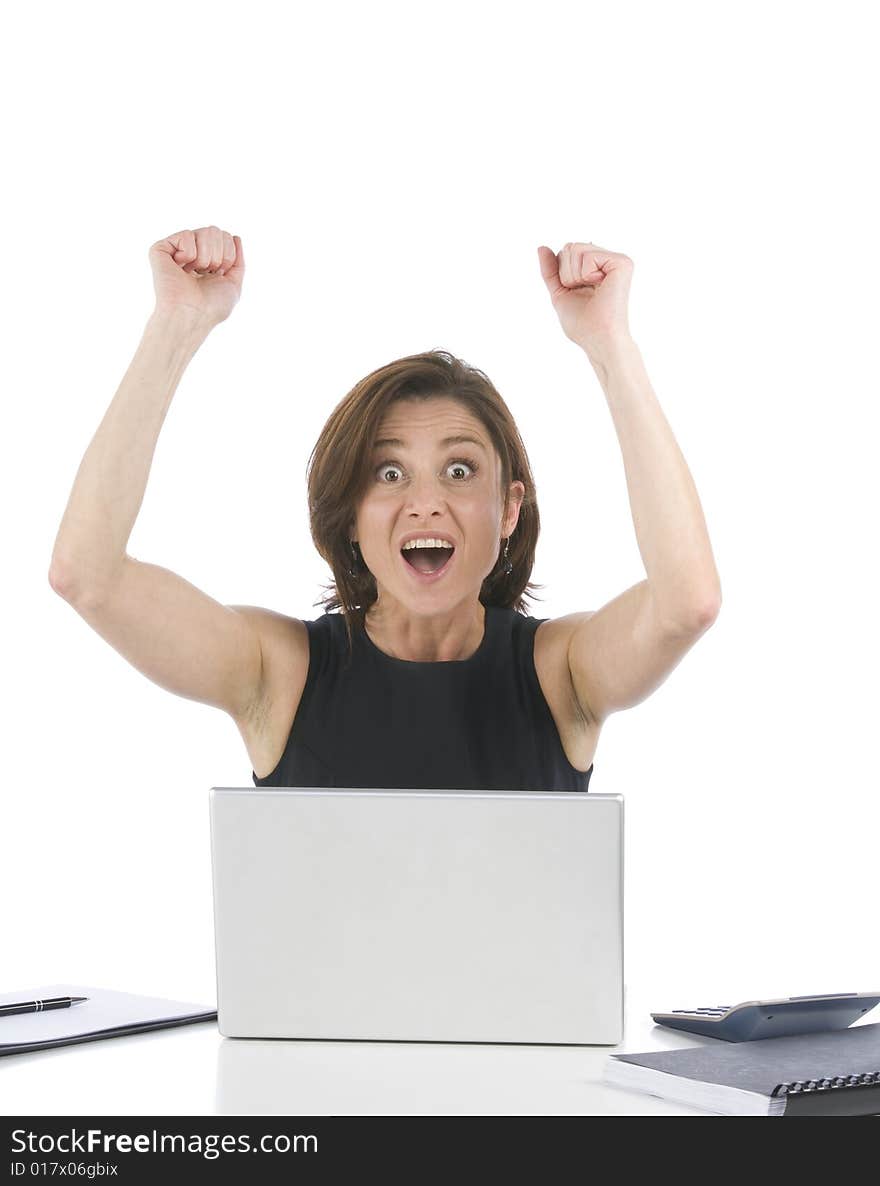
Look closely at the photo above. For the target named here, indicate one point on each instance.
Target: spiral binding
(830, 1083)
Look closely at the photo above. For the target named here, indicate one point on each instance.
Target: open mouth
(428, 562)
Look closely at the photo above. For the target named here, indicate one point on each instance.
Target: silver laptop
(452, 916)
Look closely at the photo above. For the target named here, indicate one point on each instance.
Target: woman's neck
(426, 640)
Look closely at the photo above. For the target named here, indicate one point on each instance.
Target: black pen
(40, 1006)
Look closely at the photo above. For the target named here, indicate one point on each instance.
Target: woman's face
(422, 485)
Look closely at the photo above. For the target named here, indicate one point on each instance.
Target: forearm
(669, 523)
(112, 478)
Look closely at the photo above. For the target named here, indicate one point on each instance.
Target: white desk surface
(193, 1070)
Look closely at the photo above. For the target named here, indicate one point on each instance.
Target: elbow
(80, 584)
(699, 617)
(59, 582)
(709, 610)
(64, 583)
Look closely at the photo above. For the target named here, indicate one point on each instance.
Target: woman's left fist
(589, 288)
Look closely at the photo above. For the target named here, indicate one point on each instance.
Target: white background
(392, 169)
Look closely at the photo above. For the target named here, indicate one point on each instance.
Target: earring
(508, 567)
(352, 572)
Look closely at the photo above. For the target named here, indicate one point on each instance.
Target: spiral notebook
(106, 1014)
(835, 1073)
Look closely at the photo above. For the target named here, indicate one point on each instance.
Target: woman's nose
(426, 493)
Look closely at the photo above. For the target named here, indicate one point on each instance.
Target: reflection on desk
(195, 1071)
(308, 1077)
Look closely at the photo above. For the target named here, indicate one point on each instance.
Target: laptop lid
(461, 916)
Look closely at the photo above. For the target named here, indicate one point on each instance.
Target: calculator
(778, 1018)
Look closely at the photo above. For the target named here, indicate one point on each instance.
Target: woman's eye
(462, 465)
(387, 466)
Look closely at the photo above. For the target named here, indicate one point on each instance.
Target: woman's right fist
(201, 270)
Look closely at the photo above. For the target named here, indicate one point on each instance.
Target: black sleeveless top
(374, 721)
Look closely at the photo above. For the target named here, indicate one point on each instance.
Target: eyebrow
(460, 439)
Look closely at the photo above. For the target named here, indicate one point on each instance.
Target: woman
(422, 502)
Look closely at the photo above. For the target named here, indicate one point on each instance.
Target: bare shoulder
(579, 734)
(552, 639)
(284, 645)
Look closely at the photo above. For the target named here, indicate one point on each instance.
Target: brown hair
(340, 469)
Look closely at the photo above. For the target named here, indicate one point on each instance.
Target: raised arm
(164, 626)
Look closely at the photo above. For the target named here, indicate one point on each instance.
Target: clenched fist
(201, 270)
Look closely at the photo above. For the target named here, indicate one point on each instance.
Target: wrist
(180, 321)
(602, 349)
